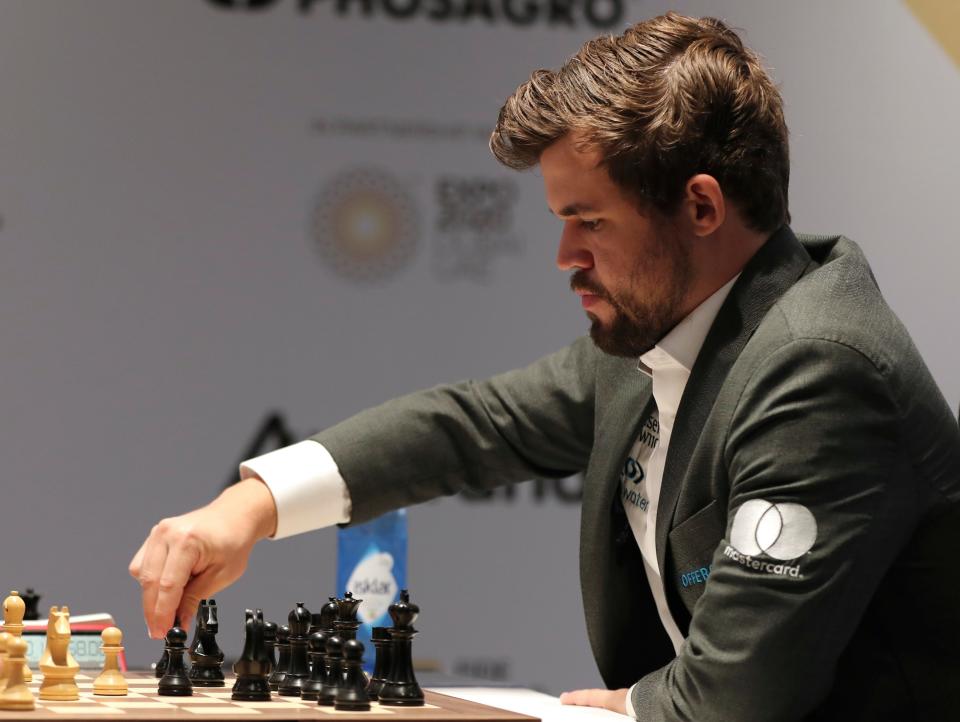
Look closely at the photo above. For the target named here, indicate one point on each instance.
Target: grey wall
(162, 289)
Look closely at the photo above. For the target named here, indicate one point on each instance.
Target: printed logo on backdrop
(243, 4)
(365, 225)
(474, 226)
(518, 13)
(763, 530)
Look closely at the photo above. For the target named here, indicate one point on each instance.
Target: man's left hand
(614, 700)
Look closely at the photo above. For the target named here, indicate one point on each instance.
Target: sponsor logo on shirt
(632, 492)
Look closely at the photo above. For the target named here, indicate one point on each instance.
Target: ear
(703, 204)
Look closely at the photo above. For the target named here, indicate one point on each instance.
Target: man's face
(631, 270)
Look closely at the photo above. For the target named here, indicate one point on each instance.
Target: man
(771, 477)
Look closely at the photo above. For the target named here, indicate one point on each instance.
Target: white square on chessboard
(92, 709)
(119, 704)
(221, 710)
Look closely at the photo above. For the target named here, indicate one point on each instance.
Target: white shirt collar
(682, 345)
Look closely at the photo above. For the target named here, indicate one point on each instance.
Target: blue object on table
(372, 564)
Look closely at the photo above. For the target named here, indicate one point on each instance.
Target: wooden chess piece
(333, 671)
(13, 611)
(298, 672)
(175, 682)
(205, 653)
(4, 667)
(282, 645)
(347, 623)
(253, 667)
(316, 651)
(16, 695)
(110, 682)
(31, 601)
(400, 688)
(380, 638)
(57, 663)
(352, 693)
(270, 641)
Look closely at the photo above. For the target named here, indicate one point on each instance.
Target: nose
(573, 252)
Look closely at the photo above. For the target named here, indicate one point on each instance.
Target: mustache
(581, 282)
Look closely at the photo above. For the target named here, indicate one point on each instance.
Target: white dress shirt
(668, 364)
(311, 494)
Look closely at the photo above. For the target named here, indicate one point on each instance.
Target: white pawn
(16, 695)
(110, 682)
(13, 610)
(4, 667)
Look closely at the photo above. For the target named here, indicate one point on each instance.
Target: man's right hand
(192, 557)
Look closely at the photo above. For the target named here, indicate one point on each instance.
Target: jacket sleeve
(527, 423)
(821, 500)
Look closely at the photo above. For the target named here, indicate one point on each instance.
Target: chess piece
(333, 671)
(347, 623)
(283, 663)
(110, 681)
(175, 681)
(316, 652)
(401, 688)
(4, 667)
(254, 667)
(269, 642)
(57, 664)
(31, 601)
(15, 694)
(298, 672)
(13, 610)
(352, 693)
(328, 615)
(381, 664)
(205, 653)
(160, 668)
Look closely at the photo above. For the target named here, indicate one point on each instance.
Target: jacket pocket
(691, 547)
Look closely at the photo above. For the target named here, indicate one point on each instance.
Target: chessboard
(214, 703)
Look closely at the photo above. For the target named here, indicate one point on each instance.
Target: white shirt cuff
(630, 711)
(306, 485)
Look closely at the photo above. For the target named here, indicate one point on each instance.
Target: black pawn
(205, 653)
(381, 664)
(253, 667)
(352, 694)
(298, 672)
(333, 674)
(31, 601)
(162, 663)
(316, 651)
(175, 682)
(269, 642)
(401, 688)
(283, 663)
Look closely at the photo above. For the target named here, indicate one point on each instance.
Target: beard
(640, 321)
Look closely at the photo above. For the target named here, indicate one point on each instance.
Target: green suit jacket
(809, 428)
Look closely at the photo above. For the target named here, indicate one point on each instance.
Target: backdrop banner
(225, 225)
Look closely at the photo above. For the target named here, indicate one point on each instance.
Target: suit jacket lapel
(765, 278)
(610, 594)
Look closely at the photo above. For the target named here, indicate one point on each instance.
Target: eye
(590, 225)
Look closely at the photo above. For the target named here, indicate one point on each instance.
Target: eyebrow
(574, 209)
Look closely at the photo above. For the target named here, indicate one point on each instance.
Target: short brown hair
(672, 97)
